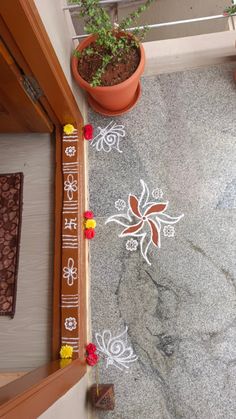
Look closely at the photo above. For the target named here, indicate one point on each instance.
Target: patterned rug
(11, 187)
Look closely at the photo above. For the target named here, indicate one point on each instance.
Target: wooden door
(20, 110)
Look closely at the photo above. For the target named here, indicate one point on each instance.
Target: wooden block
(102, 396)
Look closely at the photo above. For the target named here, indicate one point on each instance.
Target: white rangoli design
(70, 323)
(120, 205)
(108, 138)
(169, 231)
(70, 186)
(70, 272)
(131, 245)
(115, 349)
(144, 220)
(70, 151)
(157, 193)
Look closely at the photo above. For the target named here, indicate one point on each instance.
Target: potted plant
(108, 64)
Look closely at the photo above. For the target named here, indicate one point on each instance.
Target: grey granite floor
(179, 303)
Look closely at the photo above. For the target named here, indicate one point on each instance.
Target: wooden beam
(29, 396)
(8, 377)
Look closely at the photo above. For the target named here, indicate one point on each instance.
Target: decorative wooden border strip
(56, 323)
(69, 306)
(71, 243)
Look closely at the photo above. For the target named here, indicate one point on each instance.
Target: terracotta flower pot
(111, 100)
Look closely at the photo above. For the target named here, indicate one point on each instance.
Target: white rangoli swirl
(109, 137)
(115, 349)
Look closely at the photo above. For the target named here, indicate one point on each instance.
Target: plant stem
(97, 379)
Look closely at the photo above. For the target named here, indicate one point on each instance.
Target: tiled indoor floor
(179, 303)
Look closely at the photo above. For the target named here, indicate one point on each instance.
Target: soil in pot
(117, 71)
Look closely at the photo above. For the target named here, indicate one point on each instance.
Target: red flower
(89, 233)
(89, 215)
(92, 359)
(88, 132)
(91, 348)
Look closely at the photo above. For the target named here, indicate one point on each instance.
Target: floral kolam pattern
(109, 138)
(70, 301)
(115, 350)
(143, 220)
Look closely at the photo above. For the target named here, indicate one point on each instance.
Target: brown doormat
(11, 188)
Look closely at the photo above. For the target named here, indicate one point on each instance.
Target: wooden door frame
(24, 33)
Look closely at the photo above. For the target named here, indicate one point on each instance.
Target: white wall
(59, 27)
(72, 405)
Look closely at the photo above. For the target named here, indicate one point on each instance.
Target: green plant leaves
(98, 22)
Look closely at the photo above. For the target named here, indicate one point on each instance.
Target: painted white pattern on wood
(70, 272)
(70, 186)
(70, 151)
(70, 223)
(71, 339)
(69, 140)
(70, 323)
(70, 163)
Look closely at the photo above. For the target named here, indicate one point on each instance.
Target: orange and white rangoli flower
(144, 219)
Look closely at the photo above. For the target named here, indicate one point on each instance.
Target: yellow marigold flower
(90, 223)
(66, 351)
(68, 129)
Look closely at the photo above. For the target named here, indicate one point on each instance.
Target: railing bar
(160, 25)
(179, 22)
